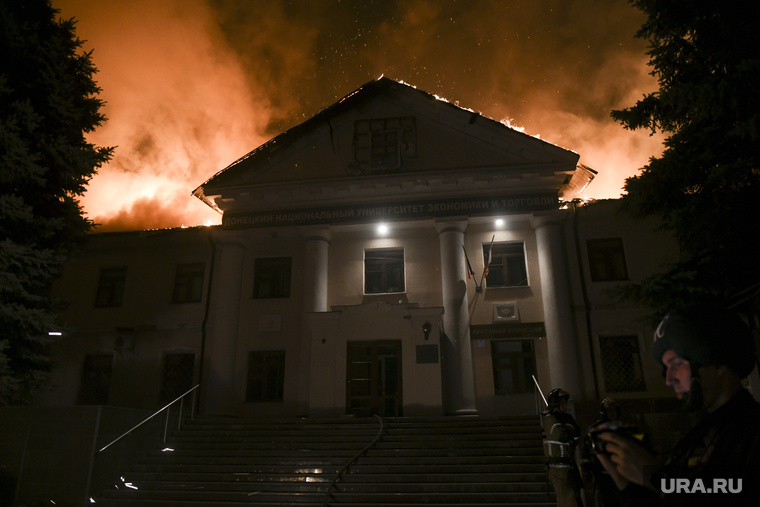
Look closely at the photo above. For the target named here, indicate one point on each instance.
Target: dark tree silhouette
(48, 102)
(705, 185)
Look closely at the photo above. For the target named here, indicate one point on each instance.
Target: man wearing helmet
(705, 354)
(560, 435)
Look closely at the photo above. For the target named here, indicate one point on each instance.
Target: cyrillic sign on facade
(418, 209)
(508, 330)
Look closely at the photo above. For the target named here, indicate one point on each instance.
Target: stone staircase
(397, 461)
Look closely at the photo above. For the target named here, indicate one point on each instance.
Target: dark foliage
(705, 185)
(48, 102)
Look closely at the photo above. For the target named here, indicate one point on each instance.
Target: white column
(317, 243)
(316, 257)
(564, 363)
(219, 395)
(459, 384)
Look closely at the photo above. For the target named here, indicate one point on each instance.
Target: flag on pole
(470, 271)
(490, 251)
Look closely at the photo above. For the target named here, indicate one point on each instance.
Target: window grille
(266, 376)
(178, 374)
(621, 363)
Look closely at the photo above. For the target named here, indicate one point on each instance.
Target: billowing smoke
(192, 85)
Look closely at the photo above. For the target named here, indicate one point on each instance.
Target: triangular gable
(387, 129)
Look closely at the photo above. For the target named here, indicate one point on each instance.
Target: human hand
(611, 468)
(628, 459)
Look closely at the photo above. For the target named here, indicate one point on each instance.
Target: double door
(373, 383)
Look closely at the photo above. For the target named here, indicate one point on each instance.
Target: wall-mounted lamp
(426, 327)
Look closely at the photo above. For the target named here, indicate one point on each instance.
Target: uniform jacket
(724, 446)
(560, 434)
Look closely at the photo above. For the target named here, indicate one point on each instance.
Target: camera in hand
(599, 446)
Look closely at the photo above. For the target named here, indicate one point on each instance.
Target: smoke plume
(191, 85)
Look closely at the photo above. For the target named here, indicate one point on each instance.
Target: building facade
(393, 255)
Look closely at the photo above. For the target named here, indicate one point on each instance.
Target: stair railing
(105, 467)
(339, 473)
(167, 408)
(539, 395)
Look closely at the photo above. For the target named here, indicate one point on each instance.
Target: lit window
(271, 278)
(110, 287)
(606, 259)
(266, 376)
(621, 363)
(384, 271)
(507, 265)
(514, 364)
(188, 283)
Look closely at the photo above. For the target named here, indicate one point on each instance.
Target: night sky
(192, 85)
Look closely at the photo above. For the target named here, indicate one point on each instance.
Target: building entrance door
(373, 378)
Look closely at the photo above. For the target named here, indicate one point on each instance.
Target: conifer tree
(706, 184)
(48, 103)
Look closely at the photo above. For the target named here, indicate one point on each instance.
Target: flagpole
(470, 271)
(488, 263)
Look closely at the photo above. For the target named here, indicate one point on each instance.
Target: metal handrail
(166, 407)
(339, 473)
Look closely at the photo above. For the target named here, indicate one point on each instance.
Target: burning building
(394, 255)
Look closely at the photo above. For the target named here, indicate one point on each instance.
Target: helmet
(605, 405)
(706, 336)
(555, 395)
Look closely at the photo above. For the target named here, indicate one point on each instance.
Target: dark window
(188, 283)
(271, 278)
(178, 373)
(621, 363)
(382, 144)
(266, 375)
(606, 259)
(506, 265)
(96, 379)
(514, 363)
(110, 287)
(384, 271)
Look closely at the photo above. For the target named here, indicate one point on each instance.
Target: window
(507, 265)
(382, 144)
(188, 283)
(621, 363)
(606, 259)
(384, 271)
(110, 287)
(271, 278)
(178, 373)
(266, 375)
(514, 363)
(96, 379)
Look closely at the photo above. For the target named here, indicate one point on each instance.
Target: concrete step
(318, 498)
(225, 462)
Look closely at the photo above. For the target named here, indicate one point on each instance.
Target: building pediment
(385, 140)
